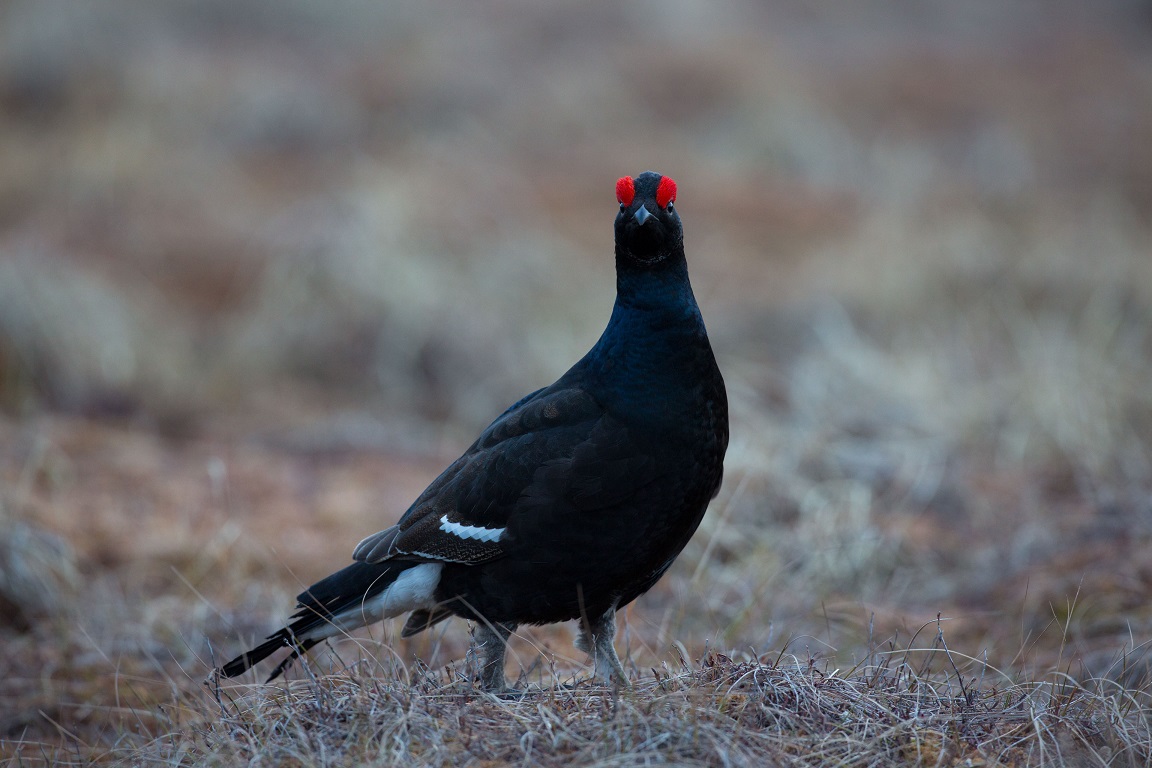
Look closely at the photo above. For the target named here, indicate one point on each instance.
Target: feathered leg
(491, 643)
(599, 647)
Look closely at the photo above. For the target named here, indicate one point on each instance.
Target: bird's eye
(623, 207)
(671, 208)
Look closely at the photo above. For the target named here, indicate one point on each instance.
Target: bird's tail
(249, 659)
(361, 594)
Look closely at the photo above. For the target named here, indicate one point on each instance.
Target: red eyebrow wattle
(625, 190)
(665, 192)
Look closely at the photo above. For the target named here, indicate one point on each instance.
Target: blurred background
(265, 268)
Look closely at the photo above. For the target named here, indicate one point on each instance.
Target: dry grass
(114, 674)
(918, 707)
(263, 275)
(716, 711)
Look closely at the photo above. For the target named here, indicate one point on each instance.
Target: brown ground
(263, 276)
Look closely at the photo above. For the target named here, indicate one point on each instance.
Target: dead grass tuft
(715, 711)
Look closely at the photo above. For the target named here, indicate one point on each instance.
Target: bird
(575, 500)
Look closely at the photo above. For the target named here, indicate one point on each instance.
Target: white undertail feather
(412, 590)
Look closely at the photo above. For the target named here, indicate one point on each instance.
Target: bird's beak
(642, 215)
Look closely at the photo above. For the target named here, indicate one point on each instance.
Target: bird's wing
(555, 446)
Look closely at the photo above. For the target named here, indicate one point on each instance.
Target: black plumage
(577, 498)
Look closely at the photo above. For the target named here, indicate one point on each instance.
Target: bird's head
(648, 228)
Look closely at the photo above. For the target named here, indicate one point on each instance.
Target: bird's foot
(507, 693)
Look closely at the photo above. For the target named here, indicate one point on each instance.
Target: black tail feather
(418, 621)
(318, 605)
(297, 652)
(249, 659)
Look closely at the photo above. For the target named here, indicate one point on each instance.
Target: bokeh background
(265, 268)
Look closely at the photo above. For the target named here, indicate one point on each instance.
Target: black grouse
(576, 499)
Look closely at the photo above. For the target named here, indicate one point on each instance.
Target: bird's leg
(599, 647)
(491, 642)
